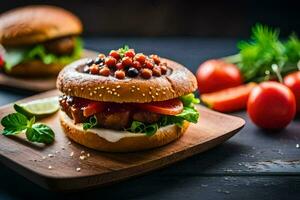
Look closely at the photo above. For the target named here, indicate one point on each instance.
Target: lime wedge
(38, 108)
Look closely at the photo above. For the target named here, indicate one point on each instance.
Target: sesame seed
(115, 93)
(89, 88)
(91, 94)
(50, 155)
(118, 86)
(158, 89)
(72, 154)
(100, 95)
(82, 157)
(133, 86)
(78, 169)
(69, 143)
(132, 90)
(82, 152)
(164, 92)
(138, 88)
(44, 157)
(95, 91)
(113, 89)
(81, 88)
(150, 93)
(118, 95)
(98, 88)
(109, 92)
(107, 88)
(49, 167)
(88, 155)
(151, 87)
(156, 94)
(153, 97)
(143, 94)
(102, 87)
(69, 89)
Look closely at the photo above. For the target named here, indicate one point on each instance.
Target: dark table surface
(252, 165)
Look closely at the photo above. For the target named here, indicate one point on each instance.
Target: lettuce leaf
(15, 56)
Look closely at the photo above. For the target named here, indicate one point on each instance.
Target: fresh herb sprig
(16, 123)
(264, 49)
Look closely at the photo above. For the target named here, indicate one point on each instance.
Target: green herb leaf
(91, 123)
(14, 123)
(189, 100)
(151, 129)
(189, 114)
(40, 133)
(137, 127)
(123, 50)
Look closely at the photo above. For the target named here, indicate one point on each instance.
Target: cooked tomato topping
(93, 108)
(169, 107)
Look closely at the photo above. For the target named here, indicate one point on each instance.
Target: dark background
(225, 18)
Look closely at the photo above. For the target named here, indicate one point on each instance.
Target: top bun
(177, 82)
(35, 24)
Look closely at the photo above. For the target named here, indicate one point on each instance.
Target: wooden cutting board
(56, 167)
(37, 85)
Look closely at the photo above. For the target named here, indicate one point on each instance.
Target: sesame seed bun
(177, 82)
(35, 24)
(131, 142)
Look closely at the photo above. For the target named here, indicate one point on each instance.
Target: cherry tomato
(271, 105)
(115, 54)
(130, 53)
(169, 107)
(230, 99)
(214, 75)
(93, 108)
(292, 81)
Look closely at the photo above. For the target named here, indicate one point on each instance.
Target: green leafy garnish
(123, 50)
(257, 55)
(140, 127)
(189, 100)
(15, 56)
(16, 123)
(91, 123)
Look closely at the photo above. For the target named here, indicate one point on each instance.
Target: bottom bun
(35, 69)
(128, 142)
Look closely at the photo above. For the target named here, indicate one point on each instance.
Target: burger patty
(61, 46)
(114, 119)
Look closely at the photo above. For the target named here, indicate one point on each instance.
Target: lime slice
(38, 108)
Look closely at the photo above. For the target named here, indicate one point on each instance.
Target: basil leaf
(91, 123)
(14, 123)
(40, 133)
(137, 127)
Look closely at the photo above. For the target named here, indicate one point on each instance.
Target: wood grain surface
(37, 85)
(65, 165)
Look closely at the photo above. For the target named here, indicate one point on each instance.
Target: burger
(126, 101)
(38, 41)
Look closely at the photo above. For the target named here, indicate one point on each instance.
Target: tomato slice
(230, 99)
(169, 107)
(93, 108)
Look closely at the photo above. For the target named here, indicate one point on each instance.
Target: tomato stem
(275, 68)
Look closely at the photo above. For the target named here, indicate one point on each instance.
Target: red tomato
(292, 81)
(93, 108)
(214, 75)
(230, 99)
(271, 105)
(169, 107)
